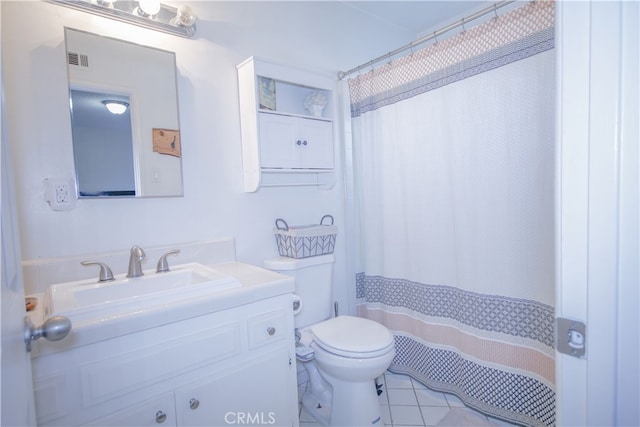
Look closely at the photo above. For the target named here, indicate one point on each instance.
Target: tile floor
(406, 402)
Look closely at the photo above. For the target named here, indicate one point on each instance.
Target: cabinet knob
(194, 403)
(271, 330)
(304, 142)
(161, 417)
(298, 142)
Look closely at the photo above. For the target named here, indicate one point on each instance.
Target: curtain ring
(435, 36)
(495, 10)
(464, 30)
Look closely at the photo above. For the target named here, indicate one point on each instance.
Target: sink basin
(183, 281)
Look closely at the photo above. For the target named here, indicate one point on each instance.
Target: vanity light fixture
(145, 13)
(115, 107)
(106, 3)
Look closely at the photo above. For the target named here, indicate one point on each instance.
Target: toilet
(343, 355)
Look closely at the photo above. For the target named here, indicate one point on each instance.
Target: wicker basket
(306, 240)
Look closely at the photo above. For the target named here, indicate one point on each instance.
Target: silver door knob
(53, 329)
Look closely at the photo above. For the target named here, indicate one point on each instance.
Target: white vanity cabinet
(284, 141)
(230, 366)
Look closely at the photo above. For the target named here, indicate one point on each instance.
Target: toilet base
(354, 403)
(317, 399)
(318, 410)
(351, 403)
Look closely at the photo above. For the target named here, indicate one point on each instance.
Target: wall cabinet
(287, 126)
(288, 142)
(234, 366)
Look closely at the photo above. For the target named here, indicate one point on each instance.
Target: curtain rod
(435, 34)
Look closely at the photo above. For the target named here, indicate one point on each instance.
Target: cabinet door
(156, 412)
(278, 141)
(316, 151)
(259, 392)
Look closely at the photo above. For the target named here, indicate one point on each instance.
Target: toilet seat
(353, 337)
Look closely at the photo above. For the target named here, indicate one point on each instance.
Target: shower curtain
(453, 159)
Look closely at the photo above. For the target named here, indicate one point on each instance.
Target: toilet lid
(353, 337)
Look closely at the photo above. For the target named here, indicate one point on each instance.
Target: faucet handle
(163, 265)
(106, 275)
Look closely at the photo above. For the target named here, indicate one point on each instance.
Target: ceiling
(418, 17)
(415, 16)
(342, 34)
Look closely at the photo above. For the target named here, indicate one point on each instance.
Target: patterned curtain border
(505, 395)
(510, 316)
(517, 35)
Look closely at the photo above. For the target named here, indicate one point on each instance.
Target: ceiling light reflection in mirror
(116, 107)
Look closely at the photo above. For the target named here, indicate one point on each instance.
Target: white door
(17, 390)
(598, 215)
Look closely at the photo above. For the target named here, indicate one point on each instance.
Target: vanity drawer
(158, 411)
(266, 328)
(127, 372)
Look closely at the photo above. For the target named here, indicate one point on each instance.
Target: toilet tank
(313, 283)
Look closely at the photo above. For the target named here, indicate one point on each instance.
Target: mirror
(135, 152)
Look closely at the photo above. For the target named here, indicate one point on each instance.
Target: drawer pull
(194, 403)
(161, 417)
(271, 330)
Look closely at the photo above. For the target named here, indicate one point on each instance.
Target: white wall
(214, 204)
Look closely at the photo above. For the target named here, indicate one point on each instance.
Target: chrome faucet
(135, 262)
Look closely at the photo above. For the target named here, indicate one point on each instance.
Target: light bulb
(149, 8)
(184, 17)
